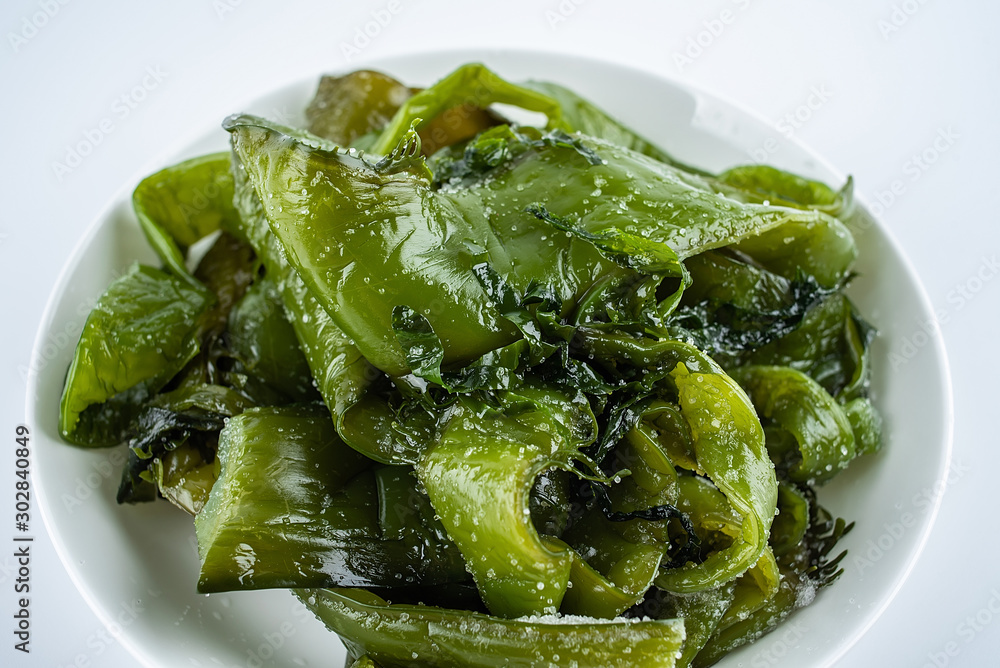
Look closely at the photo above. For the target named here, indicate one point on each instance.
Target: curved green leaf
(801, 406)
(143, 330)
(400, 635)
(180, 205)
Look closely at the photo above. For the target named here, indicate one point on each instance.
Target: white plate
(137, 565)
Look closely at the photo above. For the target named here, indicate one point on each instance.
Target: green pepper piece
(726, 279)
(616, 574)
(479, 476)
(190, 415)
(347, 107)
(408, 635)
(207, 398)
(701, 612)
(866, 424)
(142, 331)
(294, 507)
(664, 425)
(754, 589)
(822, 247)
(184, 478)
(366, 239)
(759, 183)
(343, 376)
(728, 444)
(226, 270)
(629, 192)
(709, 510)
(779, 251)
(804, 570)
(469, 84)
(261, 338)
(729, 636)
(858, 337)
(181, 204)
(801, 406)
(653, 478)
(792, 521)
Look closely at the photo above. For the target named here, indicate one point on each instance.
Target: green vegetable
(142, 331)
(188, 417)
(469, 84)
(348, 107)
(293, 506)
(399, 635)
(729, 447)
(264, 342)
(489, 394)
(801, 406)
(478, 476)
(586, 118)
(362, 241)
(182, 204)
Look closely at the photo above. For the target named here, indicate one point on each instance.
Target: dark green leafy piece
(142, 331)
(190, 415)
(261, 338)
(734, 306)
(830, 345)
(181, 204)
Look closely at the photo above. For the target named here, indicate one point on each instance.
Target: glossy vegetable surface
(488, 394)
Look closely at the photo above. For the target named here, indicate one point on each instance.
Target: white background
(874, 83)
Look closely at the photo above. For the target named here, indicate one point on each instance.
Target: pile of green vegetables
(484, 393)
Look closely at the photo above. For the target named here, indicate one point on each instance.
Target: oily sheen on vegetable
(482, 393)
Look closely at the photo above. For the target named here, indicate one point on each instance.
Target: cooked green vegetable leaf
(411, 246)
(142, 331)
(578, 395)
(182, 204)
(319, 516)
(801, 406)
(261, 338)
(398, 635)
(348, 107)
(470, 84)
(478, 477)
